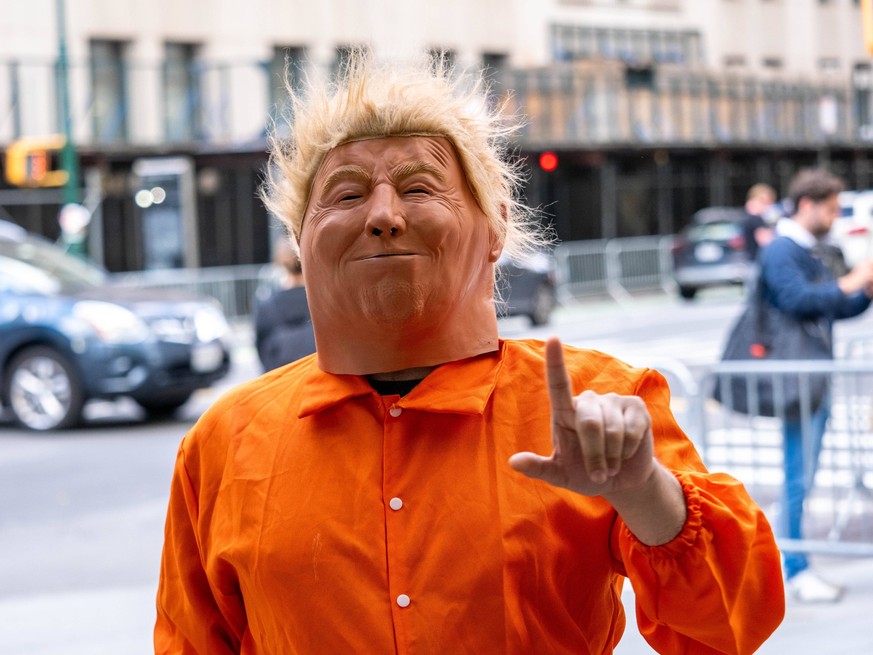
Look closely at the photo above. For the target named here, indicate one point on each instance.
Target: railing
(614, 267)
(839, 514)
(593, 102)
(235, 287)
(576, 104)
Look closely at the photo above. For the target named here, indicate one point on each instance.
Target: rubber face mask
(398, 258)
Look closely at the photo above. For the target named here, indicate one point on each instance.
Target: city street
(81, 512)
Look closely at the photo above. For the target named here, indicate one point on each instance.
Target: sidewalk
(843, 628)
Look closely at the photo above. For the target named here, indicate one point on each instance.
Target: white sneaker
(807, 587)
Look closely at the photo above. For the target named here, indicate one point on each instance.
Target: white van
(853, 231)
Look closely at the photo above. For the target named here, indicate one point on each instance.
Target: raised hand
(602, 443)
(603, 446)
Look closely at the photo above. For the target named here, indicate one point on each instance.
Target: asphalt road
(82, 511)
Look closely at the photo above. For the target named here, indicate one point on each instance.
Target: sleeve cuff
(686, 538)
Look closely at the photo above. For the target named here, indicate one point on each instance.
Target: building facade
(654, 108)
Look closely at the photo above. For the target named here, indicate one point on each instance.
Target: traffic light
(867, 24)
(30, 162)
(548, 161)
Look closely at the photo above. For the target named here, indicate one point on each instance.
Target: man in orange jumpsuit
(420, 485)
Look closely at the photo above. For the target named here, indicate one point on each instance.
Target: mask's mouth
(383, 255)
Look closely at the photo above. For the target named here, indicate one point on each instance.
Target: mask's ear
(497, 239)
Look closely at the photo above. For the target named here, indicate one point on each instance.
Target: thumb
(531, 465)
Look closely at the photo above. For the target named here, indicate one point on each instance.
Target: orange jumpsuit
(310, 515)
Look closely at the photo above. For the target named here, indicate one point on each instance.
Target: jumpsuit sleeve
(717, 586)
(195, 615)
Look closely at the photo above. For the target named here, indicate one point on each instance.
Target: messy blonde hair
(373, 100)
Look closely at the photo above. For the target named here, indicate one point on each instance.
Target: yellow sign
(28, 162)
(867, 23)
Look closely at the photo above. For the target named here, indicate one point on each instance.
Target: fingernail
(598, 477)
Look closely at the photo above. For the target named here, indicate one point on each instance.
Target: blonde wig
(372, 100)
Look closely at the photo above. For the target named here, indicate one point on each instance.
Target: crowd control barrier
(839, 511)
(614, 267)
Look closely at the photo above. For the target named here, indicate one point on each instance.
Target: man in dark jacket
(802, 286)
(283, 326)
(757, 231)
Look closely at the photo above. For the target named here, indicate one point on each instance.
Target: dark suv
(68, 335)
(526, 287)
(711, 251)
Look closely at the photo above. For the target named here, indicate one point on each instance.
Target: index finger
(558, 380)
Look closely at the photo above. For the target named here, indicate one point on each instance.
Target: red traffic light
(548, 161)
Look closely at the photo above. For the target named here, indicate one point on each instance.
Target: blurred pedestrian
(758, 227)
(283, 325)
(802, 286)
(386, 495)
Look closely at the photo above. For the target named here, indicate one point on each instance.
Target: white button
(395, 503)
(395, 411)
(403, 600)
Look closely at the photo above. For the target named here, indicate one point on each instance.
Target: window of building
(494, 69)
(829, 64)
(445, 56)
(109, 84)
(734, 61)
(342, 55)
(286, 66)
(774, 63)
(635, 46)
(182, 93)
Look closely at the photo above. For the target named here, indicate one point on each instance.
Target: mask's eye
(348, 197)
(417, 191)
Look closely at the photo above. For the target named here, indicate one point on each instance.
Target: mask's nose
(385, 214)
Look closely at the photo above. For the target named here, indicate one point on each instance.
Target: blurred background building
(645, 110)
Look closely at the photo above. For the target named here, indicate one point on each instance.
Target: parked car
(68, 335)
(852, 232)
(526, 287)
(711, 251)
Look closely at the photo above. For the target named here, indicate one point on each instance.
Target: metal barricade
(580, 268)
(858, 348)
(839, 505)
(233, 286)
(613, 266)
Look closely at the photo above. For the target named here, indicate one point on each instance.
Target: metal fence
(615, 267)
(594, 101)
(233, 286)
(839, 507)
(128, 102)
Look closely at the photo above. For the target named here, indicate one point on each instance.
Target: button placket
(395, 508)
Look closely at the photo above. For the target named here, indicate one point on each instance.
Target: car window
(714, 231)
(39, 262)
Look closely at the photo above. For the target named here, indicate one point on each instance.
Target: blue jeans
(799, 475)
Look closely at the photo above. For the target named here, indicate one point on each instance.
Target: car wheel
(43, 390)
(164, 405)
(542, 304)
(688, 292)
